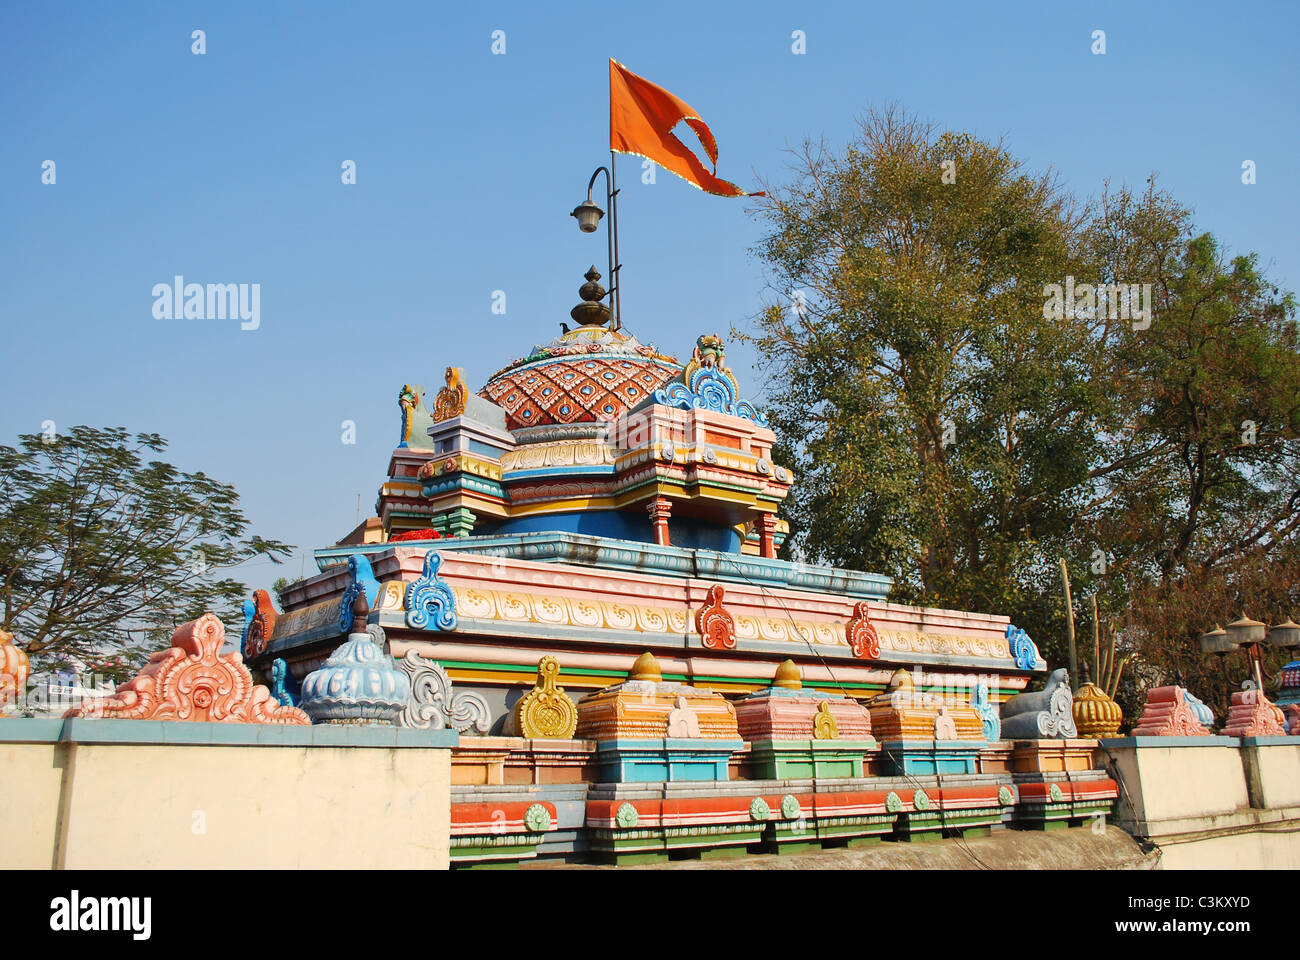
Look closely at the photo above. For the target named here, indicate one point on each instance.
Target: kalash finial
(591, 312)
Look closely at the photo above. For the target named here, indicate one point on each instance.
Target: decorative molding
(759, 811)
(1054, 794)
(451, 399)
(1022, 648)
(824, 725)
(861, 633)
(790, 808)
(715, 625)
(989, 719)
(893, 803)
(1045, 714)
(193, 681)
(1253, 715)
(1168, 714)
(708, 384)
(430, 603)
(433, 706)
(1005, 796)
(537, 819)
(545, 712)
(262, 627)
(921, 800)
(363, 579)
(627, 816)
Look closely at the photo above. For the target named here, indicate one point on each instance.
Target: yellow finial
(788, 676)
(646, 668)
(901, 681)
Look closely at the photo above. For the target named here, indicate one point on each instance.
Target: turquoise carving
(357, 684)
(280, 678)
(706, 389)
(1022, 648)
(990, 722)
(627, 816)
(363, 578)
(430, 604)
(537, 819)
(759, 810)
(249, 612)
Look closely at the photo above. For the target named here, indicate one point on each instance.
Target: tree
(102, 554)
(952, 433)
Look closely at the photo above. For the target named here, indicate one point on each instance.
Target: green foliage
(948, 433)
(103, 554)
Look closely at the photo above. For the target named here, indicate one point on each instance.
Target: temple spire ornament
(591, 312)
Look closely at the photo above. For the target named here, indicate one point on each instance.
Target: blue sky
(225, 168)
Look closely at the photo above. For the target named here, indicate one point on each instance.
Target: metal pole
(615, 273)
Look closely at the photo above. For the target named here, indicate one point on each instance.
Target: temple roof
(586, 375)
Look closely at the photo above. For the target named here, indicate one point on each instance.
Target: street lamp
(1251, 635)
(588, 215)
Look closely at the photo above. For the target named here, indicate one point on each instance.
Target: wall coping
(1139, 742)
(1270, 741)
(79, 730)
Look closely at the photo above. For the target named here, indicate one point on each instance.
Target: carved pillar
(659, 508)
(766, 535)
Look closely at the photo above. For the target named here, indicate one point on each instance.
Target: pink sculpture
(1252, 715)
(1167, 714)
(192, 681)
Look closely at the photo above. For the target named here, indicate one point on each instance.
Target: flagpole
(616, 279)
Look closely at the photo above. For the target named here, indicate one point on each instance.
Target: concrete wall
(1210, 802)
(125, 793)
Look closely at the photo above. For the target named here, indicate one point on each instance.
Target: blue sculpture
(249, 612)
(363, 578)
(1203, 714)
(1022, 648)
(989, 719)
(357, 684)
(281, 681)
(430, 604)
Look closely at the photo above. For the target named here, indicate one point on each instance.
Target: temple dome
(587, 375)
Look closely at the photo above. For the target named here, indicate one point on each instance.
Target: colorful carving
(863, 639)
(359, 683)
(280, 678)
(546, 711)
(259, 631)
(824, 726)
(1252, 715)
(451, 399)
(363, 581)
(407, 398)
(708, 384)
(716, 627)
(639, 708)
(430, 603)
(990, 721)
(14, 669)
(432, 704)
(583, 376)
(1095, 714)
(1044, 715)
(1168, 714)
(904, 713)
(193, 681)
(1202, 712)
(1022, 648)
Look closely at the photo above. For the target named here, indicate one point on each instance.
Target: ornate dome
(586, 375)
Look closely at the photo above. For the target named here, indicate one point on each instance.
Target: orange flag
(641, 119)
